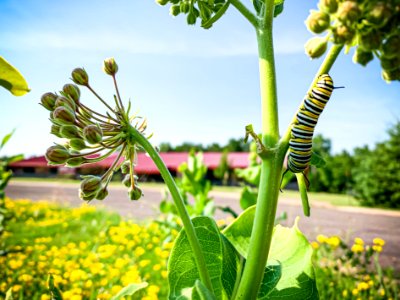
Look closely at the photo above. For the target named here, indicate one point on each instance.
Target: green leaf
(301, 181)
(201, 292)
(247, 198)
(278, 9)
(221, 259)
(54, 291)
(14, 158)
(251, 175)
(287, 177)
(5, 139)
(272, 275)
(11, 79)
(278, 2)
(129, 290)
(289, 247)
(317, 160)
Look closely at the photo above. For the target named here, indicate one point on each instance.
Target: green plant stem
(245, 12)
(325, 67)
(180, 206)
(271, 166)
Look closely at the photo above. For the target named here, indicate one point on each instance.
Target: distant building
(38, 167)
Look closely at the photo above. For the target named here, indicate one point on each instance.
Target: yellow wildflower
(156, 267)
(377, 248)
(354, 292)
(333, 241)
(381, 292)
(345, 293)
(359, 241)
(315, 245)
(45, 297)
(16, 288)
(363, 286)
(379, 242)
(356, 248)
(321, 238)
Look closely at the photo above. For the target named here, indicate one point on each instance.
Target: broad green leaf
(6, 139)
(317, 160)
(11, 79)
(289, 247)
(222, 260)
(301, 181)
(129, 290)
(54, 291)
(292, 249)
(247, 198)
(250, 175)
(201, 292)
(272, 275)
(278, 2)
(182, 269)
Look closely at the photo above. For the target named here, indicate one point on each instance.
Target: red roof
(146, 166)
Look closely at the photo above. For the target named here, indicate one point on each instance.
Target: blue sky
(192, 84)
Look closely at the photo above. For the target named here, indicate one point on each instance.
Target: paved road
(346, 222)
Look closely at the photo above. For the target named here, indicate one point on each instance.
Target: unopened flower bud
(391, 47)
(48, 101)
(191, 20)
(55, 129)
(102, 193)
(135, 193)
(70, 131)
(86, 197)
(92, 134)
(343, 35)
(57, 155)
(162, 2)
(391, 75)
(125, 168)
(316, 47)
(379, 14)
(73, 91)
(75, 162)
(362, 57)
(349, 12)
(390, 64)
(79, 76)
(90, 184)
(328, 6)
(64, 115)
(77, 144)
(184, 7)
(110, 67)
(317, 22)
(371, 40)
(175, 10)
(85, 113)
(127, 180)
(67, 102)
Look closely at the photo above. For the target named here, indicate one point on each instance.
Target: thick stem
(180, 206)
(325, 67)
(271, 167)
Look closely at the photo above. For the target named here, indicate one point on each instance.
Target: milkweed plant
(251, 258)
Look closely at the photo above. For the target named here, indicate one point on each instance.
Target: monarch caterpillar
(300, 143)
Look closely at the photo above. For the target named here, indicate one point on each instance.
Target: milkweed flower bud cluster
(206, 11)
(92, 136)
(372, 26)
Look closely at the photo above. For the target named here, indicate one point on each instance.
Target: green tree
(377, 172)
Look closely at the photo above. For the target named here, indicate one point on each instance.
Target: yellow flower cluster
(91, 254)
(333, 241)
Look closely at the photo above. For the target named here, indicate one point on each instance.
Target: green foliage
(352, 270)
(289, 247)
(11, 79)
(233, 145)
(129, 290)
(377, 172)
(222, 261)
(222, 171)
(54, 291)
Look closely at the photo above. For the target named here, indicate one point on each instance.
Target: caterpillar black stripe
(300, 144)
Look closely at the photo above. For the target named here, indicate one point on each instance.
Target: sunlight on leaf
(11, 79)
